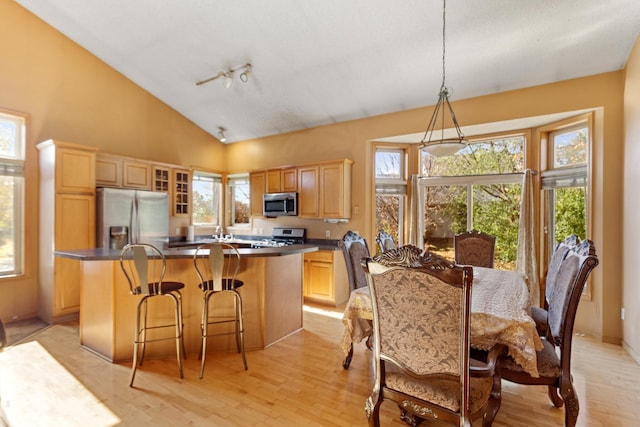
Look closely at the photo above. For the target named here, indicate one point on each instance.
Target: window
(206, 198)
(12, 154)
(565, 184)
(477, 188)
(239, 199)
(391, 190)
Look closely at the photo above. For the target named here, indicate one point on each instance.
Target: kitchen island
(272, 301)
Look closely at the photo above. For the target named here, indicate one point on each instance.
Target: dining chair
(385, 241)
(554, 360)
(539, 314)
(217, 266)
(421, 322)
(355, 249)
(144, 267)
(474, 248)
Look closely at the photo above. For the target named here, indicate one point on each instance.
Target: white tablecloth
(500, 314)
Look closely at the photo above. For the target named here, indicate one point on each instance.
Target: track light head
(228, 79)
(244, 76)
(221, 135)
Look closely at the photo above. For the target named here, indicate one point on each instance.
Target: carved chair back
(474, 248)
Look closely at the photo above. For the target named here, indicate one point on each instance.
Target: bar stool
(218, 275)
(144, 267)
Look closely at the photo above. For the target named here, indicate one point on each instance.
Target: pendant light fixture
(442, 146)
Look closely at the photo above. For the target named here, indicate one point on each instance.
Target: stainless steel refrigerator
(145, 214)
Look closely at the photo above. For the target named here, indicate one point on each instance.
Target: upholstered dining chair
(355, 249)
(385, 241)
(554, 360)
(144, 267)
(539, 314)
(474, 248)
(217, 266)
(421, 318)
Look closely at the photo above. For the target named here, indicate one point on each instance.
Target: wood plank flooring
(48, 380)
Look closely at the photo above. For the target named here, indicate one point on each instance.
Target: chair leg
(136, 341)
(571, 404)
(204, 328)
(143, 329)
(554, 396)
(184, 348)
(240, 328)
(179, 340)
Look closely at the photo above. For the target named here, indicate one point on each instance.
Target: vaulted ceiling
(317, 62)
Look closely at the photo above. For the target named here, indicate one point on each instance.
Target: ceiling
(316, 62)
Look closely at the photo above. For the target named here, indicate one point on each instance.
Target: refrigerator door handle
(133, 226)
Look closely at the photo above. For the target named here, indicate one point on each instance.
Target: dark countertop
(103, 254)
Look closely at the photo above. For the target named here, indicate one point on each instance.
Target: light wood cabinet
(308, 192)
(257, 188)
(67, 221)
(181, 192)
(325, 277)
(161, 178)
(108, 171)
(136, 174)
(274, 181)
(282, 180)
(325, 190)
(289, 180)
(122, 172)
(335, 190)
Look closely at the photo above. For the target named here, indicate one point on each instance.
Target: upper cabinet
(289, 180)
(325, 190)
(257, 186)
(125, 172)
(122, 172)
(181, 192)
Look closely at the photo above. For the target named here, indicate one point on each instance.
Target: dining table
(500, 314)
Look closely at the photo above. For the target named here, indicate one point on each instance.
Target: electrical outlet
(622, 313)
(327, 233)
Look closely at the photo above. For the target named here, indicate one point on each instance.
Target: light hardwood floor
(48, 380)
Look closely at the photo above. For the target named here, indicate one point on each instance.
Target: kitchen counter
(183, 250)
(272, 301)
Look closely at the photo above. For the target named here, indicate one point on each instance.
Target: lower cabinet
(325, 277)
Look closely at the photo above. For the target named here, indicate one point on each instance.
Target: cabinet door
(74, 229)
(108, 171)
(161, 178)
(273, 181)
(181, 192)
(257, 185)
(136, 174)
(319, 282)
(289, 180)
(332, 191)
(308, 192)
(75, 171)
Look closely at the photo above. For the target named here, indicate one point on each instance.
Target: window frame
(216, 178)
(232, 181)
(14, 166)
(392, 187)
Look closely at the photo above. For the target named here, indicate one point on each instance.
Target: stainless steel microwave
(280, 204)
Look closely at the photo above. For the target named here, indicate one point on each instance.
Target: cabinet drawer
(326, 256)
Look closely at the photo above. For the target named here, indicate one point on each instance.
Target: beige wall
(631, 224)
(73, 96)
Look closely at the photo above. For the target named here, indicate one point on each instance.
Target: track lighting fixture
(227, 76)
(221, 135)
